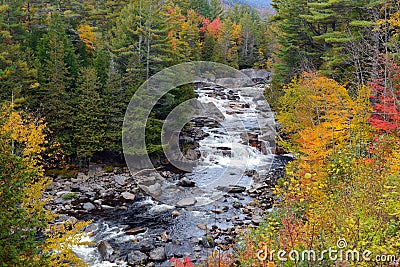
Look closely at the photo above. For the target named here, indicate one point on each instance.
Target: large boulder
(158, 254)
(105, 250)
(257, 75)
(189, 201)
(137, 258)
(232, 188)
(89, 206)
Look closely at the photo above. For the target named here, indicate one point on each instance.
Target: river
(236, 166)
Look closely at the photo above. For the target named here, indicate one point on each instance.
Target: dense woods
(68, 70)
(76, 64)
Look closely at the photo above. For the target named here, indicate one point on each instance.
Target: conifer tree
(115, 100)
(88, 119)
(17, 77)
(215, 9)
(57, 65)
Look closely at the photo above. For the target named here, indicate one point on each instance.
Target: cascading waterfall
(242, 141)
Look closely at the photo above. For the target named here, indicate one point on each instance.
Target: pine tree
(215, 9)
(17, 77)
(297, 51)
(115, 100)
(140, 41)
(200, 6)
(339, 25)
(88, 119)
(51, 100)
(208, 46)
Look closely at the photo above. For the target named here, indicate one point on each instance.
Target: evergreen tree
(17, 77)
(339, 24)
(297, 51)
(215, 9)
(51, 100)
(88, 119)
(208, 46)
(115, 100)
(200, 6)
(140, 41)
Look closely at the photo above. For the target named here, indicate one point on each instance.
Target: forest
(68, 70)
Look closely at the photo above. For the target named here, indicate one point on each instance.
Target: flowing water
(242, 142)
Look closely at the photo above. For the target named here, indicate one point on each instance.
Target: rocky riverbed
(146, 218)
(132, 228)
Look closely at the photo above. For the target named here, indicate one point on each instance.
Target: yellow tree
(317, 111)
(87, 35)
(22, 207)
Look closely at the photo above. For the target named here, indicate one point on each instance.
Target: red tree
(213, 27)
(385, 97)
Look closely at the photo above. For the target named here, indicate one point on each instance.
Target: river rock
(237, 205)
(165, 237)
(185, 182)
(260, 75)
(250, 173)
(119, 179)
(72, 220)
(62, 201)
(191, 154)
(91, 228)
(217, 211)
(137, 258)
(81, 176)
(105, 250)
(232, 188)
(257, 220)
(135, 231)
(176, 213)
(128, 196)
(89, 206)
(202, 226)
(145, 245)
(190, 201)
(155, 189)
(158, 254)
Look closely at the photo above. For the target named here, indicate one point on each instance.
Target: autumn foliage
(22, 210)
(213, 27)
(385, 98)
(345, 182)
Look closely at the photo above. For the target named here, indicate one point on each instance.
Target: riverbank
(133, 228)
(153, 216)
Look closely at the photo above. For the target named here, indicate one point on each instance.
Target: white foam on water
(224, 154)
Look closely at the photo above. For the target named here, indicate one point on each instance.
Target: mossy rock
(64, 172)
